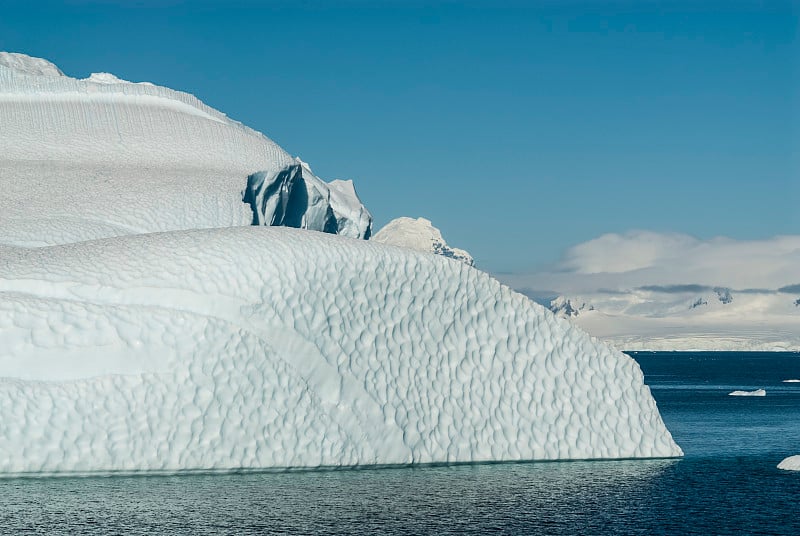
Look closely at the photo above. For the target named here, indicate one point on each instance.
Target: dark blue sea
(727, 483)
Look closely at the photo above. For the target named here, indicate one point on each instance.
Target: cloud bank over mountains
(671, 261)
(669, 291)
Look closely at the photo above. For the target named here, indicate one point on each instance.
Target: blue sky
(518, 128)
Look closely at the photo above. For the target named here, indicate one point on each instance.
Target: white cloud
(641, 258)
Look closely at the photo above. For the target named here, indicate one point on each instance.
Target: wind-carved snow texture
(256, 347)
(421, 235)
(101, 157)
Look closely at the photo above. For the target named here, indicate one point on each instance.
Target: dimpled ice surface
(257, 347)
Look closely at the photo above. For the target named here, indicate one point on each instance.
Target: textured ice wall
(262, 347)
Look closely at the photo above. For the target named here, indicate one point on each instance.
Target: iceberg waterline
(144, 326)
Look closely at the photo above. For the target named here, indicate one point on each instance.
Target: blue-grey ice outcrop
(145, 325)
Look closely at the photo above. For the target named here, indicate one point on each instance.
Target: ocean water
(726, 484)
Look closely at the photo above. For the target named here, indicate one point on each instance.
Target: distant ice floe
(757, 392)
(792, 463)
(791, 381)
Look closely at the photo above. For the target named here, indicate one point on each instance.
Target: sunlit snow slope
(257, 347)
(84, 159)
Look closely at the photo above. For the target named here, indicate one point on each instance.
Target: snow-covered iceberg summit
(102, 157)
(419, 234)
(260, 347)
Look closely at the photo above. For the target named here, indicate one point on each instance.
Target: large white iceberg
(145, 325)
(257, 347)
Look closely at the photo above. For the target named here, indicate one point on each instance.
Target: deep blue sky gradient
(519, 128)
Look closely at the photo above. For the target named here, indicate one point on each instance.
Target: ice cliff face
(419, 234)
(258, 347)
(84, 159)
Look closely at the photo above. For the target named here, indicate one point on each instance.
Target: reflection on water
(457, 499)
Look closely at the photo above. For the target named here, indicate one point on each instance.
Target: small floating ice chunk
(792, 463)
(791, 381)
(757, 392)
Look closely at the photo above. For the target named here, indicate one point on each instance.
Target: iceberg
(792, 463)
(147, 325)
(102, 157)
(791, 381)
(259, 347)
(419, 234)
(757, 392)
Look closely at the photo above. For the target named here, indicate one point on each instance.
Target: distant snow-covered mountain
(712, 320)
(651, 291)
